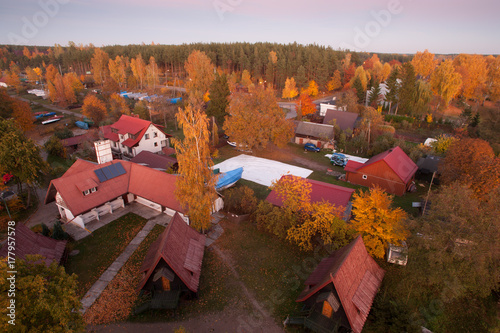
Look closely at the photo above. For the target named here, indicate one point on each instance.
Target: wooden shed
(391, 170)
(172, 266)
(339, 294)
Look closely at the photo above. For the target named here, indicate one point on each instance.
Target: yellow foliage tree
(118, 106)
(195, 187)
(290, 90)
(312, 89)
(424, 63)
(22, 115)
(493, 80)
(152, 73)
(138, 70)
(246, 79)
(446, 82)
(363, 76)
(255, 119)
(377, 221)
(118, 70)
(201, 74)
(474, 72)
(386, 71)
(100, 66)
(335, 82)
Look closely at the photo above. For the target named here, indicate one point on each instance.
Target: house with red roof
(131, 135)
(339, 293)
(29, 242)
(339, 196)
(391, 170)
(87, 190)
(172, 266)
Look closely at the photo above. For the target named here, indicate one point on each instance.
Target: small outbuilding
(339, 294)
(320, 134)
(391, 170)
(172, 266)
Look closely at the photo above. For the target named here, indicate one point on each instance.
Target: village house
(131, 135)
(29, 242)
(345, 120)
(339, 294)
(391, 170)
(86, 191)
(319, 134)
(336, 195)
(156, 161)
(172, 266)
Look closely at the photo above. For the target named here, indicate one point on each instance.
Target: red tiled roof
(29, 242)
(154, 161)
(320, 191)
(182, 248)
(108, 133)
(148, 183)
(127, 124)
(396, 159)
(355, 276)
(76, 140)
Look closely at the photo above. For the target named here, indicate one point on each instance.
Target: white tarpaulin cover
(260, 170)
(351, 158)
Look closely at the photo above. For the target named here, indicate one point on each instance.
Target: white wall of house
(153, 140)
(149, 203)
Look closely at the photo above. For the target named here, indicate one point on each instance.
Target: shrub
(58, 232)
(55, 147)
(37, 228)
(63, 133)
(45, 230)
(240, 200)
(393, 118)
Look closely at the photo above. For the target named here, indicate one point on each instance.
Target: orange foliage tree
(335, 82)
(305, 105)
(118, 106)
(472, 162)
(255, 119)
(290, 90)
(139, 70)
(424, 63)
(22, 115)
(94, 108)
(446, 82)
(377, 221)
(474, 72)
(118, 70)
(200, 76)
(100, 66)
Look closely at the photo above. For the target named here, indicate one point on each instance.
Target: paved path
(98, 287)
(49, 106)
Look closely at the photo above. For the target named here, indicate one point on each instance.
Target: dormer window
(91, 190)
(146, 136)
(155, 134)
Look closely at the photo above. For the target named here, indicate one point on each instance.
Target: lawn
(270, 268)
(117, 300)
(100, 249)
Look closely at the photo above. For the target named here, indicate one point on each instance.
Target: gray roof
(428, 164)
(314, 130)
(344, 119)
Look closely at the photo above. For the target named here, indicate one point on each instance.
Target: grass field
(100, 249)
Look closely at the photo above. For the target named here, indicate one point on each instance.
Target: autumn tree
(50, 73)
(118, 106)
(100, 66)
(219, 98)
(493, 78)
(200, 72)
(195, 187)
(55, 147)
(446, 82)
(377, 221)
(312, 89)
(472, 162)
(348, 100)
(246, 79)
(46, 298)
(363, 76)
(22, 115)
(94, 108)
(298, 219)
(474, 72)
(442, 144)
(305, 105)
(118, 70)
(423, 97)
(255, 119)
(20, 156)
(335, 81)
(138, 70)
(152, 73)
(13, 76)
(290, 90)
(424, 64)
(386, 71)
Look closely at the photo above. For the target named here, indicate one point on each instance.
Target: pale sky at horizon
(389, 26)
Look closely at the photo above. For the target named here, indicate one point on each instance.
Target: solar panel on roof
(100, 175)
(107, 173)
(111, 169)
(120, 169)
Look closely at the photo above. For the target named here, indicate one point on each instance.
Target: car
(8, 195)
(7, 178)
(339, 159)
(311, 147)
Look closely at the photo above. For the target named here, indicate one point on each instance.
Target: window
(156, 144)
(146, 136)
(365, 177)
(155, 134)
(123, 146)
(91, 190)
(121, 137)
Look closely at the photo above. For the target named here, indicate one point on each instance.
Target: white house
(130, 135)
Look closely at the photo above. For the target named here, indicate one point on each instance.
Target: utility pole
(369, 123)
(428, 192)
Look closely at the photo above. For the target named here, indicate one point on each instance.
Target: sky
(387, 26)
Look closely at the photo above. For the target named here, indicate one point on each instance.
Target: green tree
(407, 92)
(20, 156)
(393, 86)
(45, 296)
(195, 186)
(219, 98)
(55, 147)
(374, 95)
(360, 92)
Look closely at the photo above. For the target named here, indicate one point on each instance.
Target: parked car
(339, 159)
(311, 147)
(7, 178)
(8, 195)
